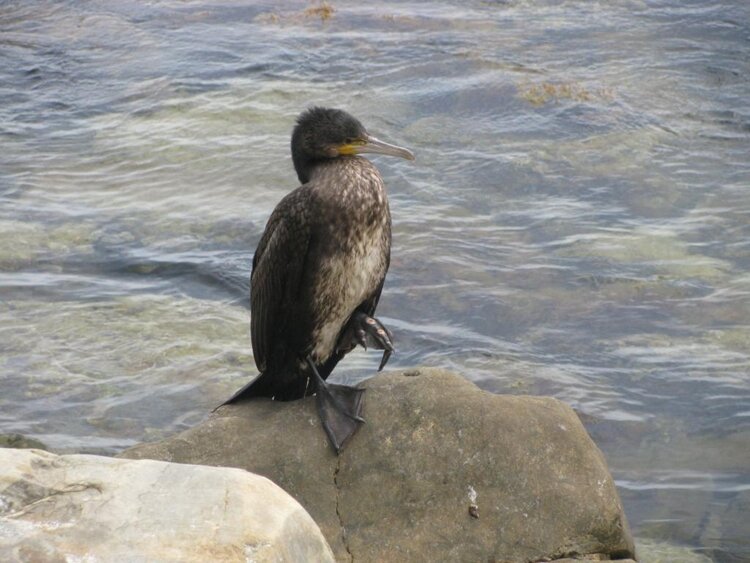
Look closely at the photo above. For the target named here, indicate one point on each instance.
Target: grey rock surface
(434, 450)
(90, 508)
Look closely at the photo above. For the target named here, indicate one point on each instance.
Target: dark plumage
(319, 269)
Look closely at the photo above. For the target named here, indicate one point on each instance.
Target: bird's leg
(339, 408)
(367, 331)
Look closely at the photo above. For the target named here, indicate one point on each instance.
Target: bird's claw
(386, 357)
(376, 334)
(361, 336)
(378, 337)
(368, 331)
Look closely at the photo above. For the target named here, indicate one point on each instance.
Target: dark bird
(319, 269)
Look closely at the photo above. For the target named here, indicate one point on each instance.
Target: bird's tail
(258, 387)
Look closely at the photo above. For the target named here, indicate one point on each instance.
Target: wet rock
(591, 559)
(80, 507)
(441, 470)
(19, 441)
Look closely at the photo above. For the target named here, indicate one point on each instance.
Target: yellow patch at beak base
(350, 148)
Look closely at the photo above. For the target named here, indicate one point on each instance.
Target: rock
(91, 508)
(19, 441)
(433, 446)
(595, 558)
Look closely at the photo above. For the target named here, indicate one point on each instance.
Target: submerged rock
(21, 442)
(25, 242)
(440, 471)
(661, 552)
(90, 508)
(657, 249)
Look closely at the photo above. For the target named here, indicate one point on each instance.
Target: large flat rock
(90, 508)
(442, 471)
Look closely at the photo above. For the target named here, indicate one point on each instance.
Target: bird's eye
(349, 140)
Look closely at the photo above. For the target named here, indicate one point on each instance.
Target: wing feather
(277, 270)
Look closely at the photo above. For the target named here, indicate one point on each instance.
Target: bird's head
(325, 133)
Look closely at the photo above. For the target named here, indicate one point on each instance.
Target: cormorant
(319, 269)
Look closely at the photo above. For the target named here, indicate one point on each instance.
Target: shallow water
(577, 222)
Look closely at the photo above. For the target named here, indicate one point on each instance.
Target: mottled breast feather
(353, 247)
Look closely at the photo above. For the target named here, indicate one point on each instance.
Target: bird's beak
(370, 144)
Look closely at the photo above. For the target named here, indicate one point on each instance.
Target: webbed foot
(367, 331)
(339, 408)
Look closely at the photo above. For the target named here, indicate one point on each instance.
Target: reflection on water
(576, 224)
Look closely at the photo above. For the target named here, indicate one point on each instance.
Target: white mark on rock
(472, 495)
(256, 552)
(473, 508)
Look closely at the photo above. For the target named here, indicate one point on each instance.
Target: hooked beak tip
(376, 146)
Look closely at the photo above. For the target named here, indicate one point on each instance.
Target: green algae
(541, 93)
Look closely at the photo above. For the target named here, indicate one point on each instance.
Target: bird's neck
(304, 166)
(351, 199)
(350, 180)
